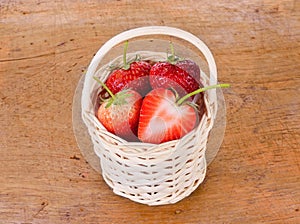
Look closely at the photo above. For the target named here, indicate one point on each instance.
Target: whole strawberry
(165, 117)
(133, 75)
(119, 114)
(167, 75)
(181, 75)
(190, 67)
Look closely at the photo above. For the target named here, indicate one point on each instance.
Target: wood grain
(45, 47)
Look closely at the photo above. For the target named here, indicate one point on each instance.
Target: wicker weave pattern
(148, 173)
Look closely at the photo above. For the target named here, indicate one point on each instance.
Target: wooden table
(45, 48)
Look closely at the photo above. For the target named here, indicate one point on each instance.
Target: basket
(152, 174)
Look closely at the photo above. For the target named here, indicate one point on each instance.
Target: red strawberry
(164, 117)
(193, 69)
(120, 113)
(133, 74)
(161, 119)
(167, 75)
(135, 77)
(190, 67)
(182, 75)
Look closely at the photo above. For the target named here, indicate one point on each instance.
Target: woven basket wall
(149, 173)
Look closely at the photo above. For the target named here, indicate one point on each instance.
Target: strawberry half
(161, 119)
(165, 117)
(119, 114)
(133, 74)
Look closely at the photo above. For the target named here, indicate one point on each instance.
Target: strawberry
(166, 75)
(190, 67)
(193, 69)
(119, 114)
(182, 75)
(165, 117)
(136, 78)
(162, 120)
(134, 75)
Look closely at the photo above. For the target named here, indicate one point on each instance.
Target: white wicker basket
(149, 173)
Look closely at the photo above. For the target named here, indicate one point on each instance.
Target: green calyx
(116, 99)
(184, 98)
(120, 98)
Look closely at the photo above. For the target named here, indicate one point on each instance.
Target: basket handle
(153, 30)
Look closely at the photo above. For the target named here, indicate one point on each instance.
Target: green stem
(181, 100)
(105, 87)
(172, 49)
(172, 58)
(126, 65)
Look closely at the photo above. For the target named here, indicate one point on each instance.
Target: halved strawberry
(165, 117)
(161, 119)
(119, 114)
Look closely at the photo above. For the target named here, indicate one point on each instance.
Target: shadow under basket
(152, 174)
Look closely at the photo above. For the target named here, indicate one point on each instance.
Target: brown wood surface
(45, 47)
